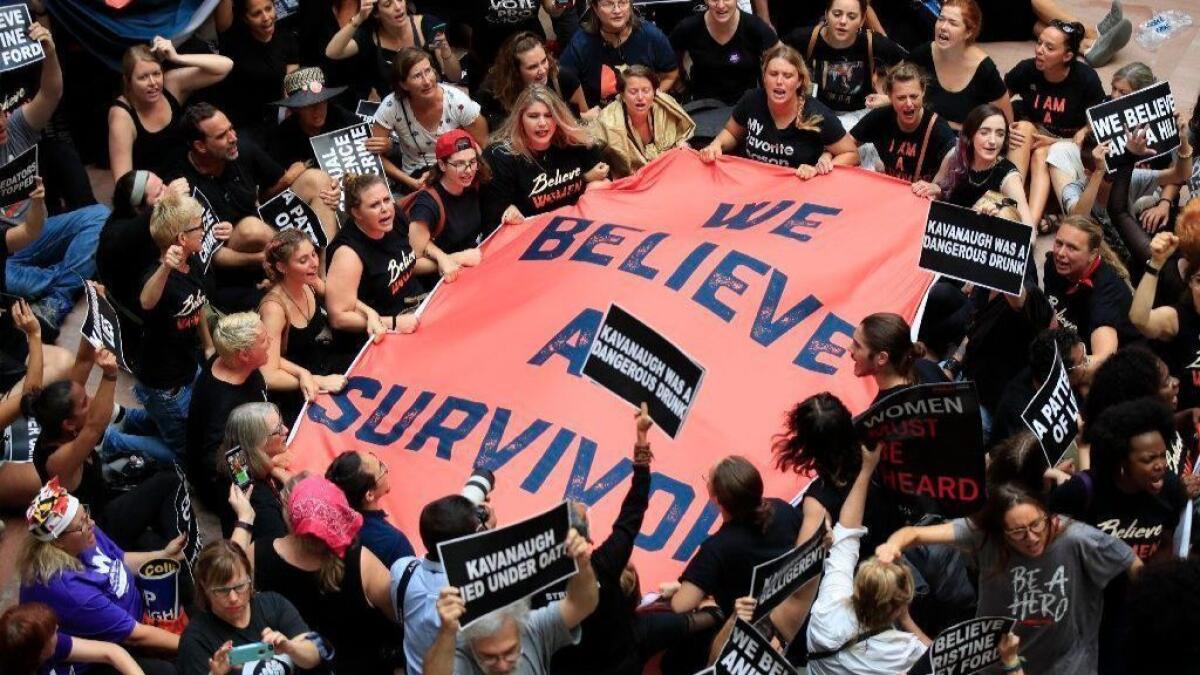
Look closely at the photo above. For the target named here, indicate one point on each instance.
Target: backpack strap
(402, 588)
(431, 190)
(861, 637)
(924, 147)
(812, 41)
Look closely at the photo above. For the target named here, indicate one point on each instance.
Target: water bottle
(1161, 27)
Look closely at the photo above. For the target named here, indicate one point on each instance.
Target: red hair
(972, 17)
(24, 632)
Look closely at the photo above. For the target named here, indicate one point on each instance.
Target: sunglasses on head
(1068, 28)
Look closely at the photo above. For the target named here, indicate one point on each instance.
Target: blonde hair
(792, 57)
(333, 569)
(171, 217)
(1095, 235)
(236, 333)
(280, 250)
(1004, 206)
(41, 561)
(568, 133)
(129, 60)
(880, 590)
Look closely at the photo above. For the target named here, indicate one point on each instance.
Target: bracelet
(1013, 667)
(249, 527)
(1151, 269)
(110, 378)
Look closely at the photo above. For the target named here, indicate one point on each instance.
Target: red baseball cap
(455, 140)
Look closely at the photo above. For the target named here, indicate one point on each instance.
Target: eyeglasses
(193, 229)
(464, 165)
(1087, 361)
(236, 589)
(84, 526)
(280, 430)
(613, 5)
(383, 467)
(1036, 527)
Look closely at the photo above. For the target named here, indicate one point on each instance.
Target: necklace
(982, 181)
(303, 312)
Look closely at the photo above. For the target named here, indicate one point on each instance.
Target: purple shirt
(57, 665)
(101, 603)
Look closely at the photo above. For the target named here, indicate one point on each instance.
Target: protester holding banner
(641, 124)
(845, 58)
(74, 427)
(779, 123)
(70, 564)
(152, 96)
(235, 615)
(379, 31)
(725, 45)
(371, 267)
(961, 74)
(301, 352)
(513, 638)
(336, 584)
(312, 112)
(228, 380)
(522, 61)
(910, 141)
(611, 37)
(445, 217)
(32, 644)
(852, 625)
(261, 55)
(540, 159)
(1088, 287)
(417, 111)
(1048, 572)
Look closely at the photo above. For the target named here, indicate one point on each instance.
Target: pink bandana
(319, 508)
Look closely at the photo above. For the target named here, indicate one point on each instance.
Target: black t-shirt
(1104, 303)
(1058, 107)
(206, 633)
(999, 337)
(723, 71)
(723, 565)
(974, 184)
(124, 251)
(170, 347)
(880, 517)
(900, 149)
(257, 76)
(234, 193)
(387, 265)
(790, 15)
(289, 143)
(463, 227)
(493, 110)
(789, 146)
(212, 401)
(373, 62)
(1184, 355)
(492, 22)
(554, 180)
(985, 86)
(926, 371)
(1144, 521)
(843, 76)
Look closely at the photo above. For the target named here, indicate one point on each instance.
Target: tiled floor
(1177, 60)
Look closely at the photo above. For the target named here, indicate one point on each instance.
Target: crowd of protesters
(483, 119)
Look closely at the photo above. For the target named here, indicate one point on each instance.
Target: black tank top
(158, 151)
(307, 346)
(974, 184)
(387, 276)
(358, 632)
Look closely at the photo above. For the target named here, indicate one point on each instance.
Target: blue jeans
(167, 409)
(136, 435)
(56, 263)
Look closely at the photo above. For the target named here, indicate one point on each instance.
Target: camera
(477, 488)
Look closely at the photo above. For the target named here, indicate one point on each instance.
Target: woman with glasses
(363, 478)
(613, 36)
(300, 358)
(1052, 93)
(90, 582)
(258, 431)
(322, 567)
(540, 159)
(234, 615)
(1046, 571)
(445, 220)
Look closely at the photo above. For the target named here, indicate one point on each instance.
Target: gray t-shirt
(1056, 598)
(1142, 183)
(542, 633)
(21, 137)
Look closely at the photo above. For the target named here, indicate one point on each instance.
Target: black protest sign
(366, 110)
(1152, 108)
(286, 211)
(1052, 413)
(967, 647)
(18, 178)
(637, 363)
(984, 250)
(746, 652)
(776, 580)
(933, 447)
(16, 49)
(498, 567)
(185, 521)
(101, 327)
(209, 243)
(345, 152)
(286, 8)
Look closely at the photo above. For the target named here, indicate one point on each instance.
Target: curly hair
(820, 437)
(1130, 373)
(280, 250)
(1112, 432)
(504, 77)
